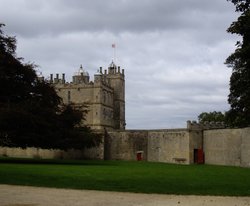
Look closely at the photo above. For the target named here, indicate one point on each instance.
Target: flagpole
(114, 52)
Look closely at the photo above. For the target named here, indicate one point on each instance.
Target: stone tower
(104, 97)
(117, 82)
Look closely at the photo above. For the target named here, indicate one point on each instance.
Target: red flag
(113, 45)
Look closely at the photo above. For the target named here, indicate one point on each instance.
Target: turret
(98, 76)
(117, 82)
(57, 79)
(81, 76)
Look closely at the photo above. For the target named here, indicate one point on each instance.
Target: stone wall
(220, 146)
(245, 148)
(124, 145)
(227, 147)
(170, 146)
(32, 152)
(195, 142)
(104, 98)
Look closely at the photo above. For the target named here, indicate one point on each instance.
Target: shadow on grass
(57, 161)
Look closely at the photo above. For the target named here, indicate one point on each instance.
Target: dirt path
(37, 196)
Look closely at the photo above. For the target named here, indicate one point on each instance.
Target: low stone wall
(195, 142)
(171, 146)
(245, 148)
(124, 145)
(31, 152)
(220, 146)
(227, 147)
(94, 153)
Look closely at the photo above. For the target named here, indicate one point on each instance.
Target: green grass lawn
(141, 177)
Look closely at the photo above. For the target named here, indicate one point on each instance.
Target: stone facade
(171, 146)
(180, 146)
(104, 98)
(32, 152)
(227, 147)
(176, 146)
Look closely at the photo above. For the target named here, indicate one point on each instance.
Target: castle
(104, 98)
(208, 142)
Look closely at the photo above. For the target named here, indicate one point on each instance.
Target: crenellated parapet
(57, 79)
(193, 125)
(105, 95)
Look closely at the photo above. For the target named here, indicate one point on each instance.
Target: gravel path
(39, 196)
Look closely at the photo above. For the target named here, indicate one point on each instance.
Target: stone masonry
(104, 98)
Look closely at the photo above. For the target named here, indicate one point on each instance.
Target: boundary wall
(179, 146)
(32, 152)
(227, 147)
(170, 146)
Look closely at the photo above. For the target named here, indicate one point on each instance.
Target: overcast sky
(173, 52)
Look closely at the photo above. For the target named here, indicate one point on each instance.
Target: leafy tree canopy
(31, 112)
(211, 117)
(239, 61)
(241, 5)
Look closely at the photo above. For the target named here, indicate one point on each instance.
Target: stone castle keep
(209, 143)
(104, 97)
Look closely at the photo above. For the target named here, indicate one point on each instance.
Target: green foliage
(211, 117)
(239, 61)
(31, 112)
(141, 177)
(241, 5)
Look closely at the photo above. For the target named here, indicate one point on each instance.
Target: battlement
(57, 79)
(113, 69)
(193, 125)
(105, 95)
(82, 76)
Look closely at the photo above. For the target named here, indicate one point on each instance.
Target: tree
(211, 117)
(31, 112)
(241, 5)
(239, 61)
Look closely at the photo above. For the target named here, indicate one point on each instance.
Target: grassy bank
(142, 177)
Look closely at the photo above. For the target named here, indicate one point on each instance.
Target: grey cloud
(172, 51)
(55, 17)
